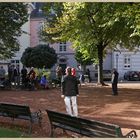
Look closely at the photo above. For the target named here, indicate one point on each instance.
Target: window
(127, 61)
(12, 61)
(62, 47)
(15, 62)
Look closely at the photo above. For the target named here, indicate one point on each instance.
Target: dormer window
(62, 47)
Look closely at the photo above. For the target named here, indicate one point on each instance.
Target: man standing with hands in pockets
(114, 81)
(70, 92)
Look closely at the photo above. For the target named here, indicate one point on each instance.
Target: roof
(37, 12)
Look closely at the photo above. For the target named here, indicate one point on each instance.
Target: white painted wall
(135, 62)
(24, 39)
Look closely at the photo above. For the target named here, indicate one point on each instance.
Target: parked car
(106, 75)
(132, 75)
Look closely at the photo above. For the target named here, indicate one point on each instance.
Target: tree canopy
(39, 57)
(82, 59)
(96, 27)
(12, 17)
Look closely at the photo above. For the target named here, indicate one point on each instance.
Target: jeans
(17, 81)
(71, 105)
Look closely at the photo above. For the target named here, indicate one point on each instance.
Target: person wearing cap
(70, 92)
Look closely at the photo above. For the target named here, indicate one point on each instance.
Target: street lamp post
(117, 56)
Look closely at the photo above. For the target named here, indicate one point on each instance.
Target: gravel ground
(94, 102)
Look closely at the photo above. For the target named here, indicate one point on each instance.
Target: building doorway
(63, 66)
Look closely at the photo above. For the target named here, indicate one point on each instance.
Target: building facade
(64, 50)
(122, 60)
(24, 41)
(125, 61)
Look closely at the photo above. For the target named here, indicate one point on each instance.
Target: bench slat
(66, 127)
(94, 132)
(16, 111)
(100, 127)
(98, 123)
(89, 128)
(67, 121)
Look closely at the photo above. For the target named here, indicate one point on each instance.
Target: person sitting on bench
(44, 82)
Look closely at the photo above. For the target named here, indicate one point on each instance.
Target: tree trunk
(100, 66)
(84, 69)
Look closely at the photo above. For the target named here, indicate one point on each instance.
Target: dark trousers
(114, 89)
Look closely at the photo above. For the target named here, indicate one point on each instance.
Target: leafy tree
(12, 17)
(97, 27)
(39, 56)
(82, 59)
(133, 15)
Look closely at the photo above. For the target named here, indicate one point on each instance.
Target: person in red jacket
(32, 76)
(73, 71)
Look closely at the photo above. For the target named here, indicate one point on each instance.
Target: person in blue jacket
(44, 82)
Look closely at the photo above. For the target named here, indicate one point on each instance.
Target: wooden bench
(16, 111)
(85, 127)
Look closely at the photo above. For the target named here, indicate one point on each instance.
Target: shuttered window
(127, 61)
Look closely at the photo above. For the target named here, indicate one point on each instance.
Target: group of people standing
(69, 83)
(14, 75)
(24, 78)
(18, 77)
(31, 80)
(80, 76)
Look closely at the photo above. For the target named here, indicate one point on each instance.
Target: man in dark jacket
(70, 92)
(24, 76)
(16, 76)
(114, 80)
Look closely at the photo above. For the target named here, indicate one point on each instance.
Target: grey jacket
(69, 86)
